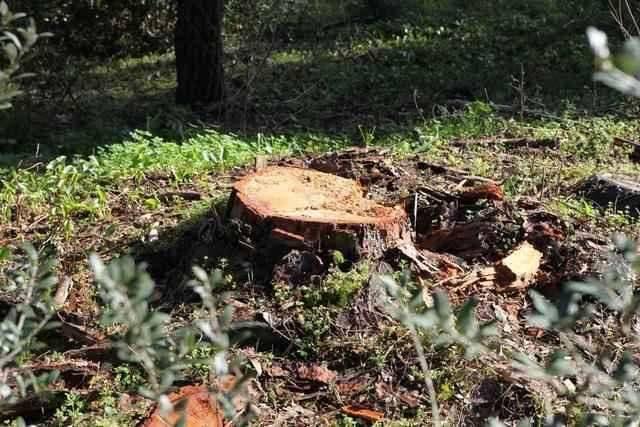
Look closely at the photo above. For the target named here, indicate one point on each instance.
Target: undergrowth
(67, 190)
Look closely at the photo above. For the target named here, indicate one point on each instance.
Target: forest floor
(115, 169)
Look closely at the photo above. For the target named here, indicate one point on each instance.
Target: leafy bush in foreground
(28, 281)
(588, 375)
(18, 36)
(144, 337)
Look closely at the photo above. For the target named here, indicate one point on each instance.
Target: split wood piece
(363, 413)
(472, 240)
(486, 191)
(516, 271)
(306, 208)
(200, 410)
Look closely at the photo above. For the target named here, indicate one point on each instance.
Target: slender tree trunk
(198, 43)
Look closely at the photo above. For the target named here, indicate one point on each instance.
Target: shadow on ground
(382, 77)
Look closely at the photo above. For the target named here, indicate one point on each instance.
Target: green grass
(72, 189)
(69, 189)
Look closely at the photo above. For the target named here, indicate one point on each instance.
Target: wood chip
(62, 293)
(363, 413)
(520, 267)
(516, 271)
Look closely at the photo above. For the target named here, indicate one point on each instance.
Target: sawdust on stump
(303, 207)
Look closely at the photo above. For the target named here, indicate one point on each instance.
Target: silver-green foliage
(125, 289)
(595, 376)
(142, 335)
(27, 280)
(620, 70)
(18, 35)
(147, 337)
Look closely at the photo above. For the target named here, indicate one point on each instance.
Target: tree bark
(199, 52)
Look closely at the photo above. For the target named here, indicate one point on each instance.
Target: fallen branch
(73, 372)
(77, 333)
(501, 108)
(33, 406)
(457, 174)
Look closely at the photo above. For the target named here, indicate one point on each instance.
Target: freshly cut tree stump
(306, 208)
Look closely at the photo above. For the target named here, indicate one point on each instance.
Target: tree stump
(306, 208)
(609, 191)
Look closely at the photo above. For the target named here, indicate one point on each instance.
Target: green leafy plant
(27, 279)
(125, 288)
(596, 378)
(71, 411)
(19, 35)
(409, 307)
(147, 339)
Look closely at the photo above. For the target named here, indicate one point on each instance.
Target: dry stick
(632, 16)
(428, 380)
(616, 13)
(458, 173)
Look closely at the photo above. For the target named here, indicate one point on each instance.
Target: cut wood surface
(520, 267)
(516, 271)
(303, 207)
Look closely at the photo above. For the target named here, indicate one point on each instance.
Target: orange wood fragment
(488, 191)
(363, 413)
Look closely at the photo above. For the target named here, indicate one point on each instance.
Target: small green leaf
(441, 305)
(559, 364)
(5, 253)
(466, 322)
(200, 274)
(11, 52)
(14, 39)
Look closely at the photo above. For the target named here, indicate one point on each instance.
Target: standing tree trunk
(198, 43)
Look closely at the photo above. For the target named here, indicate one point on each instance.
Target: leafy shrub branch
(144, 336)
(18, 35)
(588, 375)
(27, 280)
